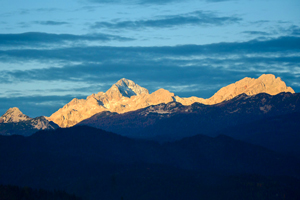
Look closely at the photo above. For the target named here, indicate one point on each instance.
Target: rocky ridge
(125, 96)
(266, 83)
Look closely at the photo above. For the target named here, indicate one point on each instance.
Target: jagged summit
(14, 122)
(125, 96)
(125, 88)
(13, 115)
(129, 88)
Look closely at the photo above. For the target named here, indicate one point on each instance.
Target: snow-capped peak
(129, 88)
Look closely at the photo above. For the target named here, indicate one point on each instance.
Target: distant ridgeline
(126, 96)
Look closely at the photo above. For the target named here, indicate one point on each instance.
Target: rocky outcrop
(125, 96)
(14, 122)
(13, 115)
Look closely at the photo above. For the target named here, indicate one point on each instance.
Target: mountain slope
(96, 164)
(173, 121)
(14, 122)
(197, 153)
(125, 96)
(279, 133)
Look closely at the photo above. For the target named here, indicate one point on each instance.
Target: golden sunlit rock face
(266, 83)
(122, 97)
(125, 96)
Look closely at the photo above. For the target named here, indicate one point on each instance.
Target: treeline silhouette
(11, 192)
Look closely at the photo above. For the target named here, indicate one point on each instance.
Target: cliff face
(125, 96)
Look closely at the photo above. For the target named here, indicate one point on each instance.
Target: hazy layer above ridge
(125, 96)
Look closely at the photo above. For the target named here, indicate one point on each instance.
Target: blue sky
(53, 51)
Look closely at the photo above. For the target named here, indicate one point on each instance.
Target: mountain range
(242, 143)
(126, 99)
(125, 96)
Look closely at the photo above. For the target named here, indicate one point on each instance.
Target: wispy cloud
(30, 11)
(225, 62)
(281, 45)
(197, 18)
(51, 23)
(34, 39)
(263, 33)
(294, 30)
(145, 2)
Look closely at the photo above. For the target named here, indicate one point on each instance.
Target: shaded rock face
(125, 96)
(128, 88)
(41, 123)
